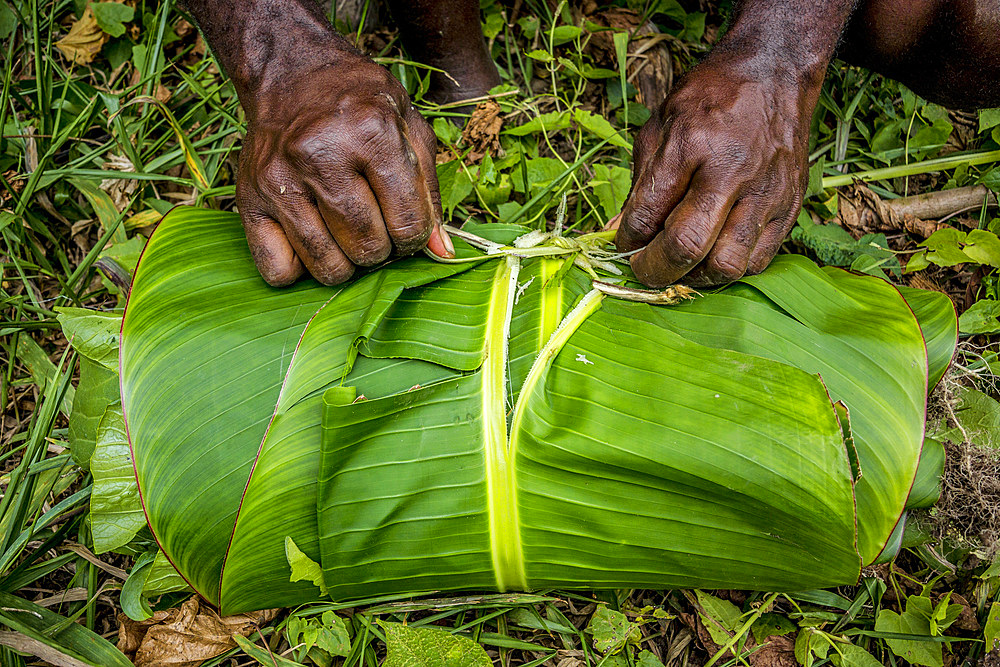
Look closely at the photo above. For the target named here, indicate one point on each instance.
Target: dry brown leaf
(84, 40)
(482, 132)
(184, 637)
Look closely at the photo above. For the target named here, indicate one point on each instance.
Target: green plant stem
(927, 166)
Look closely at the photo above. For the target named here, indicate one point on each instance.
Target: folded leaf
(496, 423)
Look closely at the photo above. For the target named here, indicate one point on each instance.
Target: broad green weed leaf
(991, 179)
(303, 567)
(430, 647)
(611, 630)
(850, 655)
(981, 318)
(111, 16)
(983, 246)
(945, 247)
(565, 33)
(97, 389)
(943, 615)
(541, 55)
(771, 625)
(591, 72)
(446, 131)
(991, 629)
(600, 127)
(8, 21)
(93, 333)
(454, 183)
(115, 511)
(647, 659)
(546, 122)
(831, 243)
(541, 172)
(611, 185)
(497, 193)
(718, 612)
(528, 25)
(810, 645)
(321, 637)
(912, 622)
(493, 23)
(918, 261)
(989, 118)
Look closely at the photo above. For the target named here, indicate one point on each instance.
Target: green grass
(89, 159)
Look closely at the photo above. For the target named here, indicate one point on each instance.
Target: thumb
(440, 243)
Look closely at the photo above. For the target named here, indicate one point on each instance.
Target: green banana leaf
(497, 423)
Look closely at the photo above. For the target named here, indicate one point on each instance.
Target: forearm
(258, 42)
(793, 41)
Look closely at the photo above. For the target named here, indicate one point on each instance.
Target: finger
(425, 145)
(688, 234)
(613, 224)
(440, 243)
(272, 253)
(728, 259)
(313, 243)
(352, 215)
(770, 241)
(400, 186)
(657, 188)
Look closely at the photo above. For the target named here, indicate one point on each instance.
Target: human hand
(336, 171)
(718, 176)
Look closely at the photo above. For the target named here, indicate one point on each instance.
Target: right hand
(337, 171)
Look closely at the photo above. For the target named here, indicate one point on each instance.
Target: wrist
(259, 43)
(288, 60)
(786, 43)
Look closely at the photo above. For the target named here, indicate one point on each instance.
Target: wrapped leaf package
(497, 423)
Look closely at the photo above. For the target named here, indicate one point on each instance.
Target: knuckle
(272, 175)
(726, 267)
(686, 246)
(374, 128)
(707, 202)
(309, 147)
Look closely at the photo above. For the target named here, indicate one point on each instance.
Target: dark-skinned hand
(336, 172)
(718, 176)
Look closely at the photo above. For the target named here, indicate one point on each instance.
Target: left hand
(718, 176)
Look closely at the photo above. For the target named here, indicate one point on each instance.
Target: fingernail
(613, 223)
(440, 243)
(446, 238)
